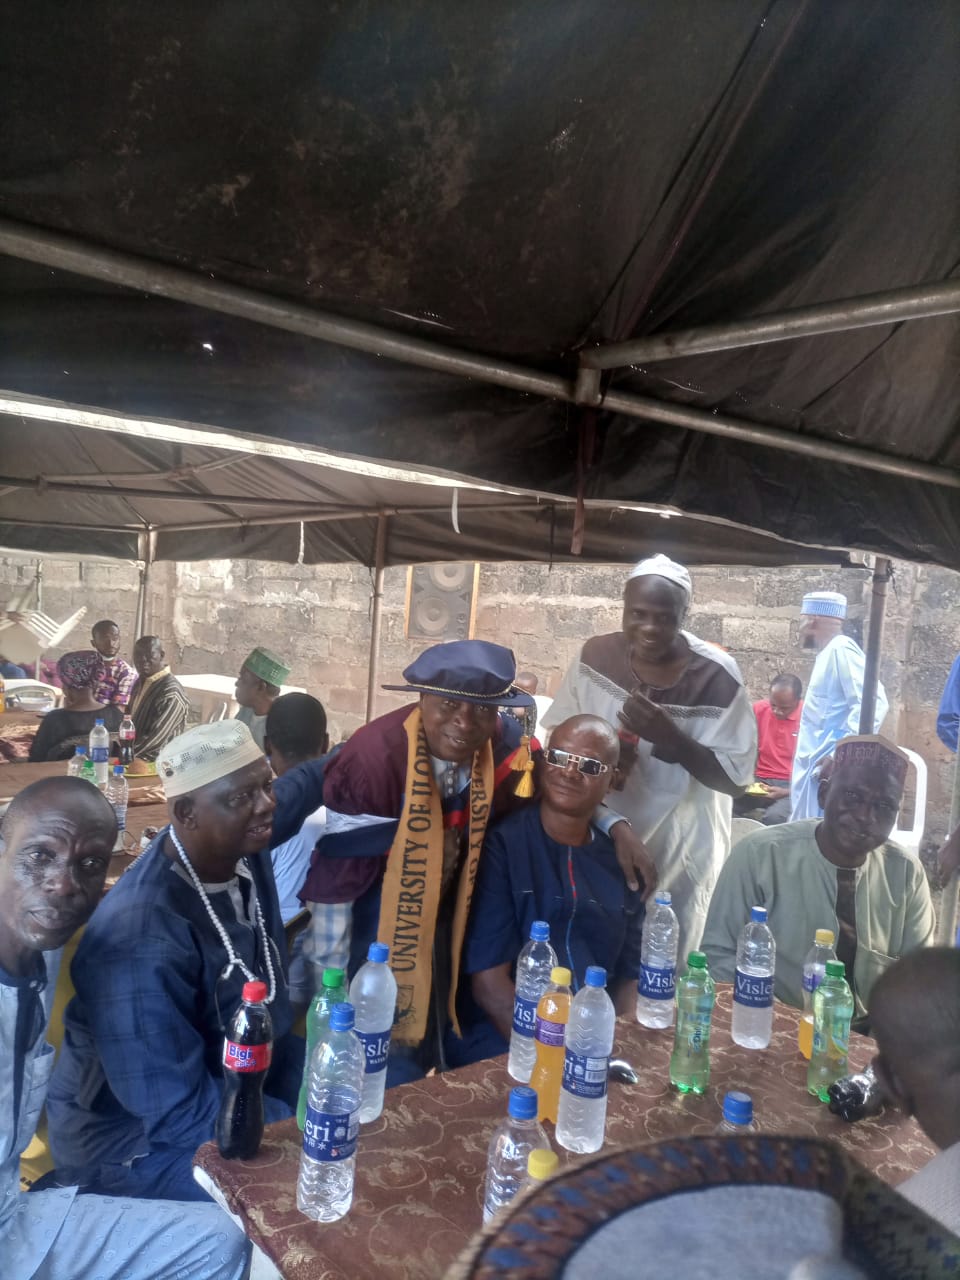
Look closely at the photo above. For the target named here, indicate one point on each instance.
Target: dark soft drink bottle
(127, 734)
(247, 1051)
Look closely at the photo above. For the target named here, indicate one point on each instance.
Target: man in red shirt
(778, 722)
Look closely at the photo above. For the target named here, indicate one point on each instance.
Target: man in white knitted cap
(159, 972)
(831, 710)
(687, 730)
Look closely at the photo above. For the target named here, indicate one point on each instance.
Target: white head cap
(661, 566)
(204, 754)
(824, 604)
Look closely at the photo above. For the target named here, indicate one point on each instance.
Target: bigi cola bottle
(247, 1051)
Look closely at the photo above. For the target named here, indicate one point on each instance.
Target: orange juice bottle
(552, 1014)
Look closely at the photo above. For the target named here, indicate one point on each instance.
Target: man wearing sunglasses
(549, 862)
(55, 845)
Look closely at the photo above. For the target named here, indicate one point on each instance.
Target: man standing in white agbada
(831, 709)
(688, 733)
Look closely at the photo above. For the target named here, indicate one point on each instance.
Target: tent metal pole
(871, 673)
(890, 307)
(325, 517)
(38, 580)
(152, 495)
(148, 547)
(373, 670)
(68, 254)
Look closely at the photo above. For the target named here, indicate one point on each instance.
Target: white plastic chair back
(910, 838)
(31, 694)
(740, 827)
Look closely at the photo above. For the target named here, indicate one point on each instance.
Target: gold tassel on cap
(523, 763)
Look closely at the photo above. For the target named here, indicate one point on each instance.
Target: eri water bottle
(332, 991)
(117, 791)
(814, 969)
(752, 1023)
(510, 1147)
(329, 1156)
(696, 994)
(582, 1113)
(100, 752)
(832, 1014)
(534, 965)
(247, 1051)
(658, 965)
(552, 1014)
(737, 1115)
(373, 994)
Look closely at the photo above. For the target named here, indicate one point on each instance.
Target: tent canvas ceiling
(520, 181)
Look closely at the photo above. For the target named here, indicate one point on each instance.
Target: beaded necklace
(234, 960)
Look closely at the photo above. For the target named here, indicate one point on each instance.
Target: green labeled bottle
(696, 993)
(333, 990)
(832, 1014)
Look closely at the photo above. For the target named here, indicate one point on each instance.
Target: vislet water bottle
(77, 761)
(658, 964)
(373, 994)
(582, 1113)
(127, 733)
(117, 792)
(100, 752)
(247, 1051)
(534, 964)
(737, 1114)
(329, 1156)
(509, 1149)
(832, 1014)
(696, 994)
(333, 990)
(752, 1023)
(814, 968)
(552, 1014)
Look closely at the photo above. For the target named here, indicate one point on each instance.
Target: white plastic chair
(910, 838)
(30, 694)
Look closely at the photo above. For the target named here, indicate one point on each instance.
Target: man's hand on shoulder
(635, 859)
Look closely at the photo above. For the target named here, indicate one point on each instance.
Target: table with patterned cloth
(17, 731)
(420, 1167)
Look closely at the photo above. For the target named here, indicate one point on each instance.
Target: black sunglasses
(585, 764)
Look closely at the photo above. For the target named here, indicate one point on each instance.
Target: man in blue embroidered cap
(831, 710)
(408, 799)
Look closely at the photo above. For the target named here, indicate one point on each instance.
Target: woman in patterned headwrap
(64, 730)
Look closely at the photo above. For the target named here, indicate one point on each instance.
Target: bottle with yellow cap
(814, 968)
(542, 1163)
(552, 1014)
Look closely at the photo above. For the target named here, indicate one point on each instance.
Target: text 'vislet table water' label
(656, 984)
(756, 993)
(550, 1033)
(524, 1016)
(376, 1046)
(329, 1136)
(246, 1057)
(585, 1077)
(811, 980)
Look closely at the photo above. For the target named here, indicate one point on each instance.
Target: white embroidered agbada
(685, 825)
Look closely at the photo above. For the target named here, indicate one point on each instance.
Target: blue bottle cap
(759, 913)
(540, 931)
(118, 770)
(523, 1103)
(595, 976)
(663, 898)
(379, 952)
(80, 751)
(738, 1108)
(96, 722)
(342, 1017)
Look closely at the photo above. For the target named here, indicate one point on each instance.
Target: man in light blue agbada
(831, 709)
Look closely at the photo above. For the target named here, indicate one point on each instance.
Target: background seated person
(839, 872)
(257, 689)
(160, 969)
(159, 705)
(548, 862)
(116, 677)
(68, 727)
(778, 723)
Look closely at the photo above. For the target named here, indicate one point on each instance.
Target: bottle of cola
(247, 1051)
(127, 735)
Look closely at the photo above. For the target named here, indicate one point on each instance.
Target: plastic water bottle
(696, 994)
(373, 994)
(127, 733)
(247, 1051)
(658, 965)
(814, 968)
(588, 1043)
(737, 1114)
(534, 964)
(117, 792)
(100, 752)
(509, 1149)
(832, 1014)
(552, 1014)
(77, 761)
(329, 1156)
(542, 1163)
(333, 990)
(752, 1023)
